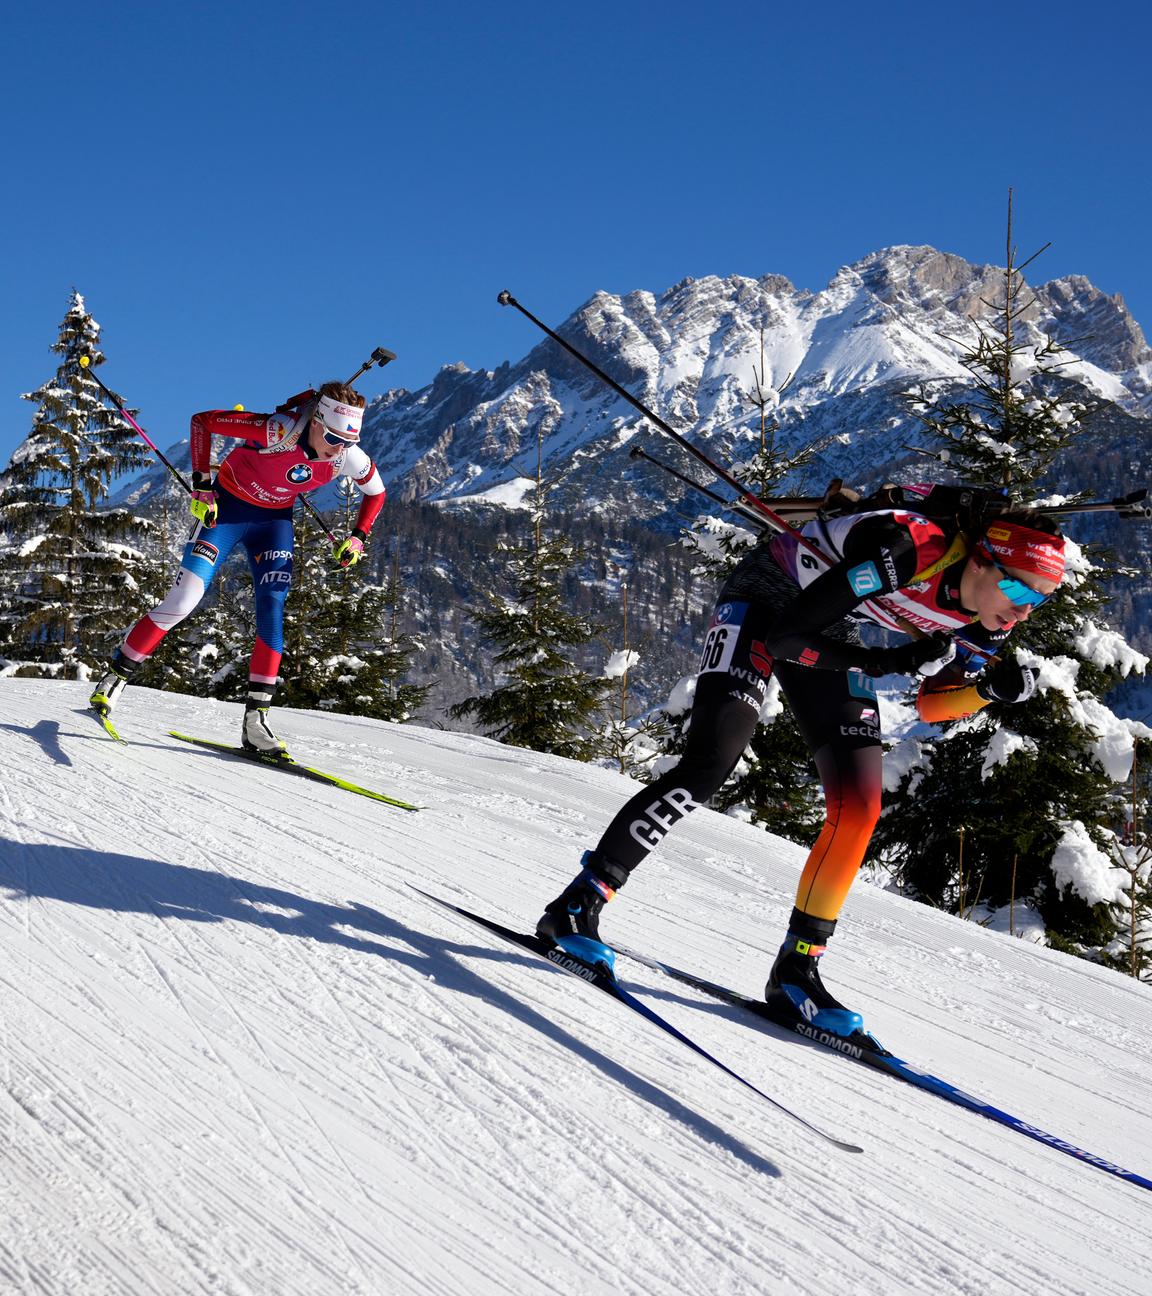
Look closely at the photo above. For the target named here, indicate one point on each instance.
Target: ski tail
(602, 979)
(880, 1059)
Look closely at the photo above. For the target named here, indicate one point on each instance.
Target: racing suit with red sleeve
(257, 483)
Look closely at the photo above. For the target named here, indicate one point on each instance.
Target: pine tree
(73, 575)
(545, 702)
(1131, 852)
(629, 743)
(1029, 789)
(344, 649)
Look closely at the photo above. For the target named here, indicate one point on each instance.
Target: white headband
(340, 418)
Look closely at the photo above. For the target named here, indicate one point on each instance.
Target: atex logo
(276, 578)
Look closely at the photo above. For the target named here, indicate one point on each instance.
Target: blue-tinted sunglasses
(1014, 590)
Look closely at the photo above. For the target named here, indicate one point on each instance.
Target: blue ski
(871, 1053)
(601, 979)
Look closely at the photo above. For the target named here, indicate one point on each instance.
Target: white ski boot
(107, 692)
(257, 737)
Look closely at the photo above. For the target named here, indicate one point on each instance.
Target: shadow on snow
(133, 884)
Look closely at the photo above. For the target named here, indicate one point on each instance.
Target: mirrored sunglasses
(1014, 589)
(334, 438)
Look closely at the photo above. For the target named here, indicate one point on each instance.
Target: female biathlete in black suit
(785, 610)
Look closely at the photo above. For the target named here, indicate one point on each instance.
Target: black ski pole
(888, 617)
(86, 365)
(796, 508)
(381, 356)
(1132, 505)
(638, 452)
(754, 502)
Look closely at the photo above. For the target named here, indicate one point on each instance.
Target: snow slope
(241, 1056)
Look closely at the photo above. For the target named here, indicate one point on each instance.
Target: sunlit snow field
(240, 1055)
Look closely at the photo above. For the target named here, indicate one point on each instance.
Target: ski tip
(107, 725)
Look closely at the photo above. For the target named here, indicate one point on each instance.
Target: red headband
(1027, 550)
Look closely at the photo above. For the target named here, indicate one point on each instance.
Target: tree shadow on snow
(133, 884)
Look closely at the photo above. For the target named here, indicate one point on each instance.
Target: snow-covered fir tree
(629, 743)
(1131, 853)
(543, 700)
(1024, 795)
(73, 575)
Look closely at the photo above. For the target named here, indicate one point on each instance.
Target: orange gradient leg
(852, 785)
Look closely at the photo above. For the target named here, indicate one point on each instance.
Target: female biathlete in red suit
(784, 611)
(306, 444)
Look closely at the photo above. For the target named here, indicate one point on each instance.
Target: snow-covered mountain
(696, 355)
(241, 1056)
(693, 354)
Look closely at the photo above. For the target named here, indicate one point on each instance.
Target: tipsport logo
(298, 474)
(273, 555)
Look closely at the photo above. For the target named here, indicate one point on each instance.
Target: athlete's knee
(180, 601)
(714, 747)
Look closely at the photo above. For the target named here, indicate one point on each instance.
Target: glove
(1007, 681)
(203, 502)
(349, 552)
(919, 656)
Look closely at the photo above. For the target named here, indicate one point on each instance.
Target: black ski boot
(572, 920)
(795, 993)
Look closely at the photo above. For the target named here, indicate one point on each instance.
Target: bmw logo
(298, 474)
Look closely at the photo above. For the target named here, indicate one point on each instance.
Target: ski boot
(795, 993)
(572, 920)
(256, 736)
(110, 685)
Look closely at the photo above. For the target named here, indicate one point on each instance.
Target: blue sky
(251, 196)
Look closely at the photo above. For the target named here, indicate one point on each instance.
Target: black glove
(1007, 681)
(919, 656)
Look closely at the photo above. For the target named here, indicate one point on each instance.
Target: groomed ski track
(237, 1055)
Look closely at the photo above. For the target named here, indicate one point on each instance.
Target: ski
(294, 767)
(873, 1054)
(600, 978)
(106, 724)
